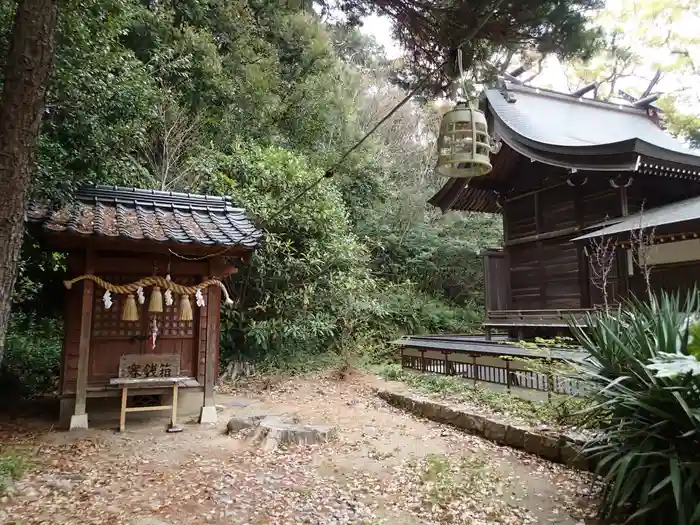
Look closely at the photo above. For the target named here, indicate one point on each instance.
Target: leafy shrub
(13, 465)
(559, 411)
(31, 364)
(392, 372)
(309, 293)
(307, 288)
(403, 308)
(650, 429)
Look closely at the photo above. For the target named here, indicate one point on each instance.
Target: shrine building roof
(568, 131)
(675, 213)
(576, 132)
(150, 215)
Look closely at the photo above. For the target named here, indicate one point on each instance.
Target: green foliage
(32, 357)
(428, 31)
(309, 289)
(650, 431)
(39, 277)
(13, 465)
(560, 410)
(433, 253)
(638, 61)
(308, 280)
(541, 343)
(259, 101)
(100, 100)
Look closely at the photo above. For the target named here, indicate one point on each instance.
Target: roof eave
(666, 216)
(519, 142)
(68, 240)
(571, 156)
(446, 195)
(654, 152)
(566, 160)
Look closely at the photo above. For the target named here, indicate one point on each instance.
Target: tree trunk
(28, 66)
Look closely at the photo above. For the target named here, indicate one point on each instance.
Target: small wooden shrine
(568, 170)
(144, 288)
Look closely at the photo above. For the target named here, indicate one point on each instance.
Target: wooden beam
(505, 218)
(201, 343)
(583, 270)
(122, 413)
(505, 222)
(214, 300)
(623, 255)
(540, 251)
(208, 413)
(544, 236)
(529, 193)
(79, 418)
(148, 409)
(116, 262)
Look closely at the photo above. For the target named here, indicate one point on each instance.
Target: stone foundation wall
(558, 448)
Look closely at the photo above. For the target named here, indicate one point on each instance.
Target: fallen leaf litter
(385, 466)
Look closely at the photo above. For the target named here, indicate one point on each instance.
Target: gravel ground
(385, 467)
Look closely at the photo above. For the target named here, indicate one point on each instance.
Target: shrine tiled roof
(150, 215)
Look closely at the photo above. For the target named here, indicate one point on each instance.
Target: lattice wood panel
(170, 325)
(108, 323)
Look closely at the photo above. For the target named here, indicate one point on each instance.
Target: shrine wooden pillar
(79, 419)
(208, 412)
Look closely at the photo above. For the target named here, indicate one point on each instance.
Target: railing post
(550, 380)
(476, 369)
(422, 361)
(508, 374)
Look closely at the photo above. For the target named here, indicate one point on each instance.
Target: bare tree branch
(641, 243)
(601, 259)
(168, 152)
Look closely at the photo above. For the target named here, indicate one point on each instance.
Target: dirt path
(385, 467)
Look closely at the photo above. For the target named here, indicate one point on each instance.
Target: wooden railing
(535, 318)
(501, 375)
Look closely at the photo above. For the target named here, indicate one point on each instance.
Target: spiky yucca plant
(648, 449)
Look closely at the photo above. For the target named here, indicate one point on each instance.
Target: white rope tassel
(168, 295)
(199, 298)
(107, 300)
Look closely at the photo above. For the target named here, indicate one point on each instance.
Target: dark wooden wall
(542, 214)
(547, 270)
(111, 337)
(496, 281)
(670, 278)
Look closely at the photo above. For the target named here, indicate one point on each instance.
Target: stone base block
(78, 421)
(208, 415)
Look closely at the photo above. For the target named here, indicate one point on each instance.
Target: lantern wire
(330, 172)
(462, 78)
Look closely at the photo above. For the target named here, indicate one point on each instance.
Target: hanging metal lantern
(463, 144)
